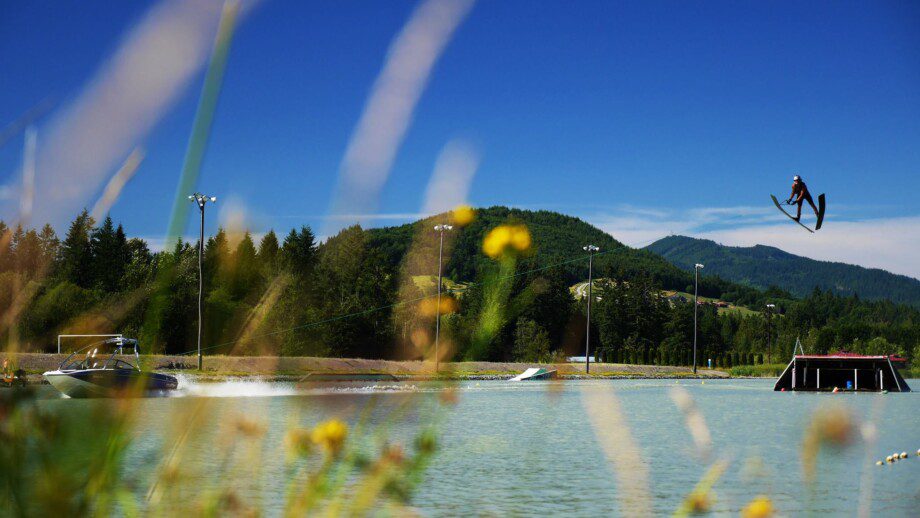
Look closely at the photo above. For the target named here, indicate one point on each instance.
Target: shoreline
(220, 368)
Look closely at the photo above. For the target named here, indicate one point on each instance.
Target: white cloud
(892, 244)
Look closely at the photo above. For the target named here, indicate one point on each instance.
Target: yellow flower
(297, 441)
(463, 215)
(330, 435)
(249, 428)
(760, 507)
(496, 241)
(504, 236)
(698, 503)
(429, 307)
(520, 238)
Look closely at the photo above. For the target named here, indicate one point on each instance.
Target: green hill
(557, 238)
(764, 266)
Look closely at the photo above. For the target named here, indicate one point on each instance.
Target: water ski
(780, 207)
(820, 212)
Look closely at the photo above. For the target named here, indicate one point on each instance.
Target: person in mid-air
(800, 193)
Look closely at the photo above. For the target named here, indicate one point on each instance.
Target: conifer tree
(76, 253)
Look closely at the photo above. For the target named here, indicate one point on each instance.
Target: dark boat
(107, 374)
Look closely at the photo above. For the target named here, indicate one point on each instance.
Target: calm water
(530, 447)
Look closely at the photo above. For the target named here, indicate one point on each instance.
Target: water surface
(528, 448)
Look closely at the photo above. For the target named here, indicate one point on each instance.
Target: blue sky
(644, 118)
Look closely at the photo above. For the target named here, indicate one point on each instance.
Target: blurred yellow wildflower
(832, 427)
(760, 507)
(503, 237)
(463, 215)
(298, 442)
(249, 428)
(698, 503)
(330, 435)
(429, 307)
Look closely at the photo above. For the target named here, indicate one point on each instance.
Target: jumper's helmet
(796, 178)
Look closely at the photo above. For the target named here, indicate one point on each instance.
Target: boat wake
(188, 387)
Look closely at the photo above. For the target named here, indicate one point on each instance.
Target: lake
(557, 447)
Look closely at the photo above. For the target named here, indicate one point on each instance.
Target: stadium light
(201, 200)
(591, 249)
(696, 307)
(440, 229)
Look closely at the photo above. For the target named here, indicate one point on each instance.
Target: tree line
(369, 293)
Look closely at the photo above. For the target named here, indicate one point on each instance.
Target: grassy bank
(771, 370)
(34, 363)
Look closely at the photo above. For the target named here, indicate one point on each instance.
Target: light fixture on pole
(591, 249)
(696, 306)
(201, 200)
(770, 309)
(440, 229)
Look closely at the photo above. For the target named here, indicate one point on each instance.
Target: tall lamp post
(201, 200)
(440, 229)
(696, 307)
(591, 249)
(770, 309)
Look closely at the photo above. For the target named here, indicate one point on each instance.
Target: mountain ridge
(763, 266)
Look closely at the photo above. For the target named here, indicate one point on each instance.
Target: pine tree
(109, 256)
(76, 254)
(15, 243)
(50, 247)
(216, 259)
(299, 252)
(245, 273)
(6, 256)
(28, 254)
(268, 253)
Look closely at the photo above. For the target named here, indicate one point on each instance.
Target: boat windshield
(103, 356)
(118, 364)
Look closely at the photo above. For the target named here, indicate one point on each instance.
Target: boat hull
(103, 383)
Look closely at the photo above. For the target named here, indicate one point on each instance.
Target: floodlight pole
(437, 322)
(696, 307)
(201, 200)
(770, 308)
(591, 249)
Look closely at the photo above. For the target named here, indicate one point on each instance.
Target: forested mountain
(557, 241)
(764, 266)
(357, 295)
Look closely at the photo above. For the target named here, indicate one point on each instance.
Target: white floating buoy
(879, 463)
(918, 453)
(903, 454)
(889, 459)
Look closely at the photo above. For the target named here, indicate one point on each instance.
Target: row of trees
(359, 295)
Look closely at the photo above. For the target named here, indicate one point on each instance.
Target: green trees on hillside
(344, 298)
(764, 266)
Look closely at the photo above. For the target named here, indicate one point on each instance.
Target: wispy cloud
(888, 243)
(392, 101)
(380, 216)
(119, 106)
